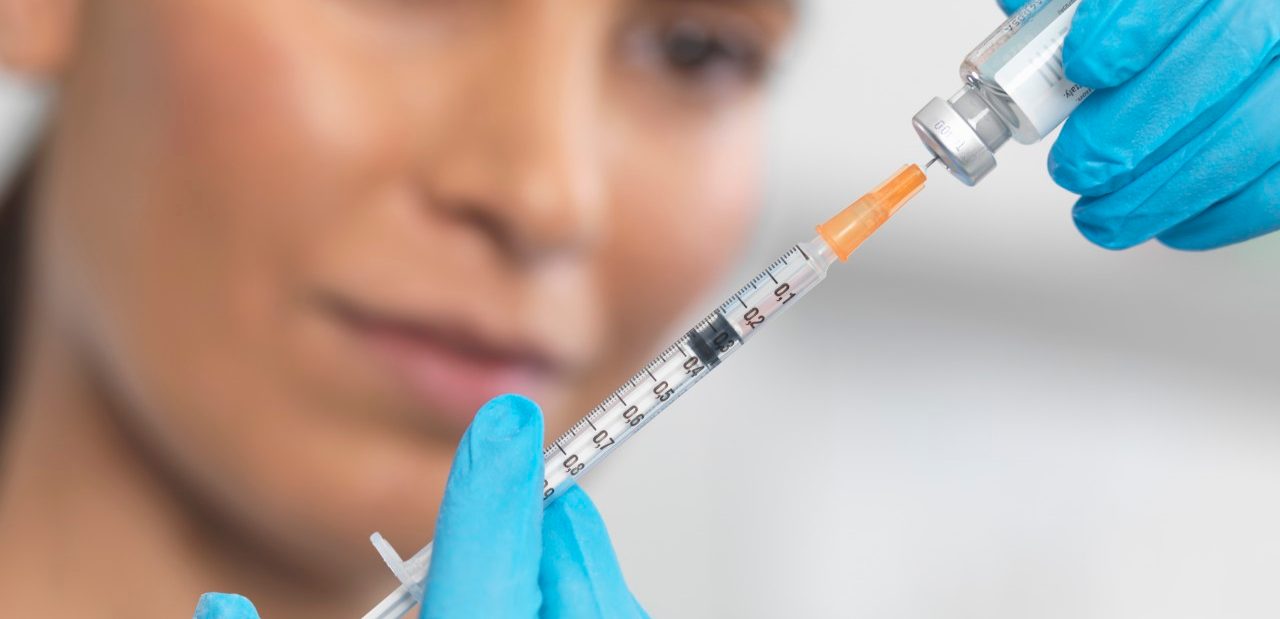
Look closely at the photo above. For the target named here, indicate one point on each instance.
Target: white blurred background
(981, 415)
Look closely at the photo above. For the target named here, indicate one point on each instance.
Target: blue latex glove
(1182, 140)
(497, 554)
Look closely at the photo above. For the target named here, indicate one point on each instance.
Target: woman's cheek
(283, 132)
(271, 104)
(243, 137)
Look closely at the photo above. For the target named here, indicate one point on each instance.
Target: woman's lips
(449, 371)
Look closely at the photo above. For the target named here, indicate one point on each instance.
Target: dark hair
(14, 213)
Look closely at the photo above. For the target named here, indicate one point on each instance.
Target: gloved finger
(1113, 40)
(1246, 215)
(1118, 134)
(1009, 6)
(225, 606)
(1218, 164)
(580, 577)
(489, 533)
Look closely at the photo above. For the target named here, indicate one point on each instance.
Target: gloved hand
(497, 554)
(1182, 139)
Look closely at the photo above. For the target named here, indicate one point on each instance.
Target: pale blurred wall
(981, 415)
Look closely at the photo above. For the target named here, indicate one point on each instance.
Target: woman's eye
(700, 52)
(688, 48)
(695, 53)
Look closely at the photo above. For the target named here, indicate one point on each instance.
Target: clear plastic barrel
(1018, 70)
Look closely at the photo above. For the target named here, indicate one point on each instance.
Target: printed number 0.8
(572, 465)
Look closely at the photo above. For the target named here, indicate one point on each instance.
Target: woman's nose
(524, 167)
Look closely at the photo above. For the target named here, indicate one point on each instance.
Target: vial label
(1035, 81)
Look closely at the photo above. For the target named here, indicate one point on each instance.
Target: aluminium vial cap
(964, 133)
(850, 227)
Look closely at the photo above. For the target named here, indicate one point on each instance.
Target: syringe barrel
(1015, 87)
(683, 364)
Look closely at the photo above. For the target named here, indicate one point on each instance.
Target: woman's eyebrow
(781, 13)
(786, 5)
(781, 3)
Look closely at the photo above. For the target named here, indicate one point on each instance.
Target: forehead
(783, 6)
(777, 16)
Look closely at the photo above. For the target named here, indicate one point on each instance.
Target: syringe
(687, 361)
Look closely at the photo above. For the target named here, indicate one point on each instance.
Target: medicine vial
(1014, 87)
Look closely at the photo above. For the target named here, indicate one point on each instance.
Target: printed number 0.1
(783, 293)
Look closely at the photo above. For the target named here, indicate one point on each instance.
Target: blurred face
(303, 240)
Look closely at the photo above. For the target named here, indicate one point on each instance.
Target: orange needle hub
(850, 227)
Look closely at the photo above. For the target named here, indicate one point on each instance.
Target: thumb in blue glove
(1009, 6)
(225, 606)
(496, 553)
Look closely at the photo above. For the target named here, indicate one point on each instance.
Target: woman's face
(304, 240)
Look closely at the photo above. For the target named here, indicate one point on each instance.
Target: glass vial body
(1014, 87)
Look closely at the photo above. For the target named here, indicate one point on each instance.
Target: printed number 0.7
(602, 439)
